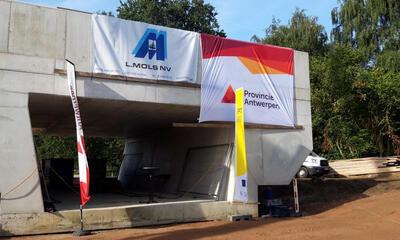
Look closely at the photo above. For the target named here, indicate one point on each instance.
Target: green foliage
(192, 15)
(111, 149)
(302, 33)
(55, 147)
(372, 26)
(355, 78)
(108, 148)
(339, 103)
(389, 60)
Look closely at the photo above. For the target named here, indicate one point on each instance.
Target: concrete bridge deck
(35, 40)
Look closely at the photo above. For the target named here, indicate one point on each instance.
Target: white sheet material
(264, 71)
(222, 72)
(141, 50)
(83, 165)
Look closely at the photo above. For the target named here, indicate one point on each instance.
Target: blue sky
(240, 19)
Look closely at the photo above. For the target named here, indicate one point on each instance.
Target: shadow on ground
(316, 196)
(319, 195)
(204, 232)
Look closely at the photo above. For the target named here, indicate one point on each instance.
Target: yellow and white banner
(240, 193)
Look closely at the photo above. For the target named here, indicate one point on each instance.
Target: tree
(372, 26)
(191, 15)
(109, 13)
(302, 33)
(340, 103)
(53, 147)
(387, 86)
(355, 92)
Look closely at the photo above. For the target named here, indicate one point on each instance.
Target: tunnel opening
(135, 155)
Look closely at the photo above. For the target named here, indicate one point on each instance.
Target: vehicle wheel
(302, 173)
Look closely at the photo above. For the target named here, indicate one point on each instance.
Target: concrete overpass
(35, 40)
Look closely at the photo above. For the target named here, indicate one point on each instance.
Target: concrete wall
(35, 40)
(19, 182)
(168, 150)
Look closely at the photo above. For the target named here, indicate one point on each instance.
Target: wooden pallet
(365, 166)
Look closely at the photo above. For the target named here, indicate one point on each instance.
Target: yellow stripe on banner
(241, 162)
(256, 67)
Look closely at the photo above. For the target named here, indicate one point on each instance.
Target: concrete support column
(19, 185)
(231, 180)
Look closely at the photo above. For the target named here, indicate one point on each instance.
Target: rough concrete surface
(121, 217)
(4, 18)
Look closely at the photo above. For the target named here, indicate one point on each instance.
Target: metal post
(80, 209)
(296, 196)
(81, 231)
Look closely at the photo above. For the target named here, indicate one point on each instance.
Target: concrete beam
(27, 64)
(25, 82)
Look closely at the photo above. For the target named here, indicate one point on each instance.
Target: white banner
(264, 71)
(141, 50)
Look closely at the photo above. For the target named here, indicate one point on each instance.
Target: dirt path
(374, 217)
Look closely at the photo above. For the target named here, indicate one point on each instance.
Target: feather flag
(240, 194)
(82, 158)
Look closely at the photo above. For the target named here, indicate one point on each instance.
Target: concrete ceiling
(52, 114)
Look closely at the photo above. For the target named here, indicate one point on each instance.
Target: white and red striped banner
(82, 159)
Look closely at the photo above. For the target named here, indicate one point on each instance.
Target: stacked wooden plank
(364, 166)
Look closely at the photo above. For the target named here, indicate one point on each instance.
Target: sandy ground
(368, 217)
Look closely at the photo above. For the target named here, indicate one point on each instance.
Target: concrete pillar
(19, 185)
(231, 179)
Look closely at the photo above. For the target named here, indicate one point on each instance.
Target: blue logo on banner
(153, 42)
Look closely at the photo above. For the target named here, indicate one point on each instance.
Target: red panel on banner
(276, 58)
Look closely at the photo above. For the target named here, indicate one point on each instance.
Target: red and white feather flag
(82, 158)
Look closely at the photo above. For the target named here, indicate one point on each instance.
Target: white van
(314, 165)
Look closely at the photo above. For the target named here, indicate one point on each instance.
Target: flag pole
(81, 210)
(296, 198)
(81, 231)
(82, 158)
